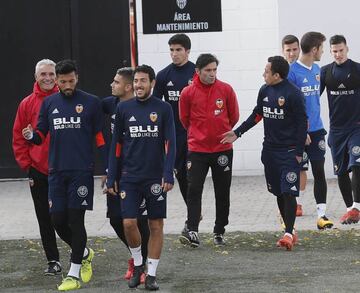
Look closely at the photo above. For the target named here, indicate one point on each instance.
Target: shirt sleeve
(19, 143)
(184, 108)
(158, 91)
(233, 108)
(322, 79)
(170, 146)
(254, 118)
(42, 127)
(116, 142)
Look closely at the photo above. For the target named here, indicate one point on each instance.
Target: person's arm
(158, 90)
(38, 136)
(170, 150)
(19, 144)
(233, 108)
(184, 108)
(254, 118)
(301, 122)
(115, 152)
(322, 79)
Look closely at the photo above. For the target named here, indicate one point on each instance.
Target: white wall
(252, 31)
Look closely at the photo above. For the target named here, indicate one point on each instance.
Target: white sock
(288, 234)
(136, 255)
(74, 270)
(152, 266)
(321, 209)
(349, 208)
(356, 205)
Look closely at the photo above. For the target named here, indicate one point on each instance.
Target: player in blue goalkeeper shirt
(170, 81)
(341, 79)
(144, 138)
(281, 105)
(122, 90)
(74, 119)
(305, 74)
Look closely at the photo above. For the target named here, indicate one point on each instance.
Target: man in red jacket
(208, 107)
(34, 158)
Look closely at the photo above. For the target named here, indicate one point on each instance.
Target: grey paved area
(252, 209)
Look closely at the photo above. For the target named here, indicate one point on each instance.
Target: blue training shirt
(72, 121)
(146, 132)
(342, 83)
(283, 110)
(308, 81)
(170, 81)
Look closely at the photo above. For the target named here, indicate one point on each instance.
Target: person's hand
(103, 184)
(166, 186)
(299, 159)
(229, 137)
(308, 140)
(113, 190)
(27, 132)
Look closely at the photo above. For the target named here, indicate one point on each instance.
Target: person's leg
(355, 184)
(221, 170)
(181, 176)
(117, 224)
(289, 210)
(39, 193)
(345, 187)
(198, 167)
(76, 223)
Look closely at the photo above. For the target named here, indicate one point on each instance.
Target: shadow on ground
(327, 261)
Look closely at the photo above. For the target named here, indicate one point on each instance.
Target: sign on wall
(175, 16)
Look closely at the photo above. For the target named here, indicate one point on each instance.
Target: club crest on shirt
(219, 103)
(122, 194)
(153, 116)
(79, 108)
(317, 76)
(281, 101)
(50, 204)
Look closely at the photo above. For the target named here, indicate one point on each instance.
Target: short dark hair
(146, 69)
(180, 39)
(65, 67)
(311, 40)
(289, 39)
(127, 73)
(279, 65)
(337, 39)
(205, 59)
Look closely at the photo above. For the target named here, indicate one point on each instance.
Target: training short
(71, 190)
(316, 150)
(114, 207)
(282, 171)
(133, 194)
(345, 149)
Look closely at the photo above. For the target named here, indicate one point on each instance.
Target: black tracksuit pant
(39, 193)
(198, 165)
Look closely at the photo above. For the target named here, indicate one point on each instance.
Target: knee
(59, 220)
(156, 226)
(130, 224)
